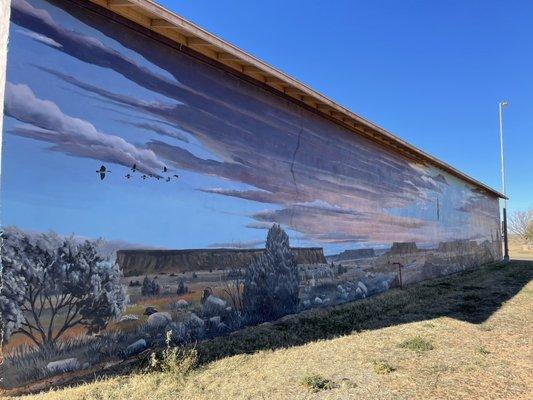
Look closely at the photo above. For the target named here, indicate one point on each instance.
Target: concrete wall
(117, 141)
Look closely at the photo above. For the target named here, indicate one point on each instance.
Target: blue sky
(78, 98)
(429, 72)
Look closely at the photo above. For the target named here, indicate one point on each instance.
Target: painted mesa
(148, 190)
(137, 262)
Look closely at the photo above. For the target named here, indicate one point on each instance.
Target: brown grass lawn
(517, 251)
(468, 336)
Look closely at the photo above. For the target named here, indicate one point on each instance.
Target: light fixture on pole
(503, 104)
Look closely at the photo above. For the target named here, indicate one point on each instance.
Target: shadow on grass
(471, 296)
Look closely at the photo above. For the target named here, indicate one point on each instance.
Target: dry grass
(517, 251)
(482, 351)
(383, 367)
(316, 383)
(416, 343)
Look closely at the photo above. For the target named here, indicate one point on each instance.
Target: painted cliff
(139, 262)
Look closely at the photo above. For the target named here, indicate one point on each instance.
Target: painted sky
(82, 91)
(430, 72)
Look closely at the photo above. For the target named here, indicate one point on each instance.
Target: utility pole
(504, 227)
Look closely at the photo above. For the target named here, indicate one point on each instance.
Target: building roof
(154, 17)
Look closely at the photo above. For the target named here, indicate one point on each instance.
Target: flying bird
(165, 169)
(176, 176)
(144, 177)
(102, 171)
(127, 176)
(134, 168)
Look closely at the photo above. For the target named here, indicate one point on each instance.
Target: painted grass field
(468, 336)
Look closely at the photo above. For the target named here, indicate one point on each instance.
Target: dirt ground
(467, 336)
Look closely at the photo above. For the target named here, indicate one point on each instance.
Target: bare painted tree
(233, 285)
(52, 284)
(521, 224)
(271, 281)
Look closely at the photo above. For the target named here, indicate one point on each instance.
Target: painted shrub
(146, 191)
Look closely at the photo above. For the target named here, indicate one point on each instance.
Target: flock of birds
(103, 171)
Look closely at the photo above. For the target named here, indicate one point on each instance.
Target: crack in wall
(294, 154)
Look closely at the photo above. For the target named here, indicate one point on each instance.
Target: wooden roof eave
(166, 23)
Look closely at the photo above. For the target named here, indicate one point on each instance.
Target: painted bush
(145, 191)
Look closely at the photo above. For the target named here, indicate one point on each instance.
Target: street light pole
(504, 228)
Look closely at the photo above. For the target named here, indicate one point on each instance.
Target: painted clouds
(312, 175)
(72, 136)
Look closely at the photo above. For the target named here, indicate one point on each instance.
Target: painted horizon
(246, 158)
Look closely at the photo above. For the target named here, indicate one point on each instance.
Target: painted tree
(233, 285)
(182, 288)
(150, 287)
(271, 281)
(52, 284)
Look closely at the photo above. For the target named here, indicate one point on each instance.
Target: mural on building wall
(144, 191)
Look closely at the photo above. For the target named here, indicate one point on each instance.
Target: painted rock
(60, 366)
(159, 320)
(135, 348)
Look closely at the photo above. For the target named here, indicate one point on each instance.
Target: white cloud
(40, 38)
(73, 136)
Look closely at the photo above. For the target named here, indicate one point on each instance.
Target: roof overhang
(154, 17)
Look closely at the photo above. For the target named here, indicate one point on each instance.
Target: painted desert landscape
(82, 311)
